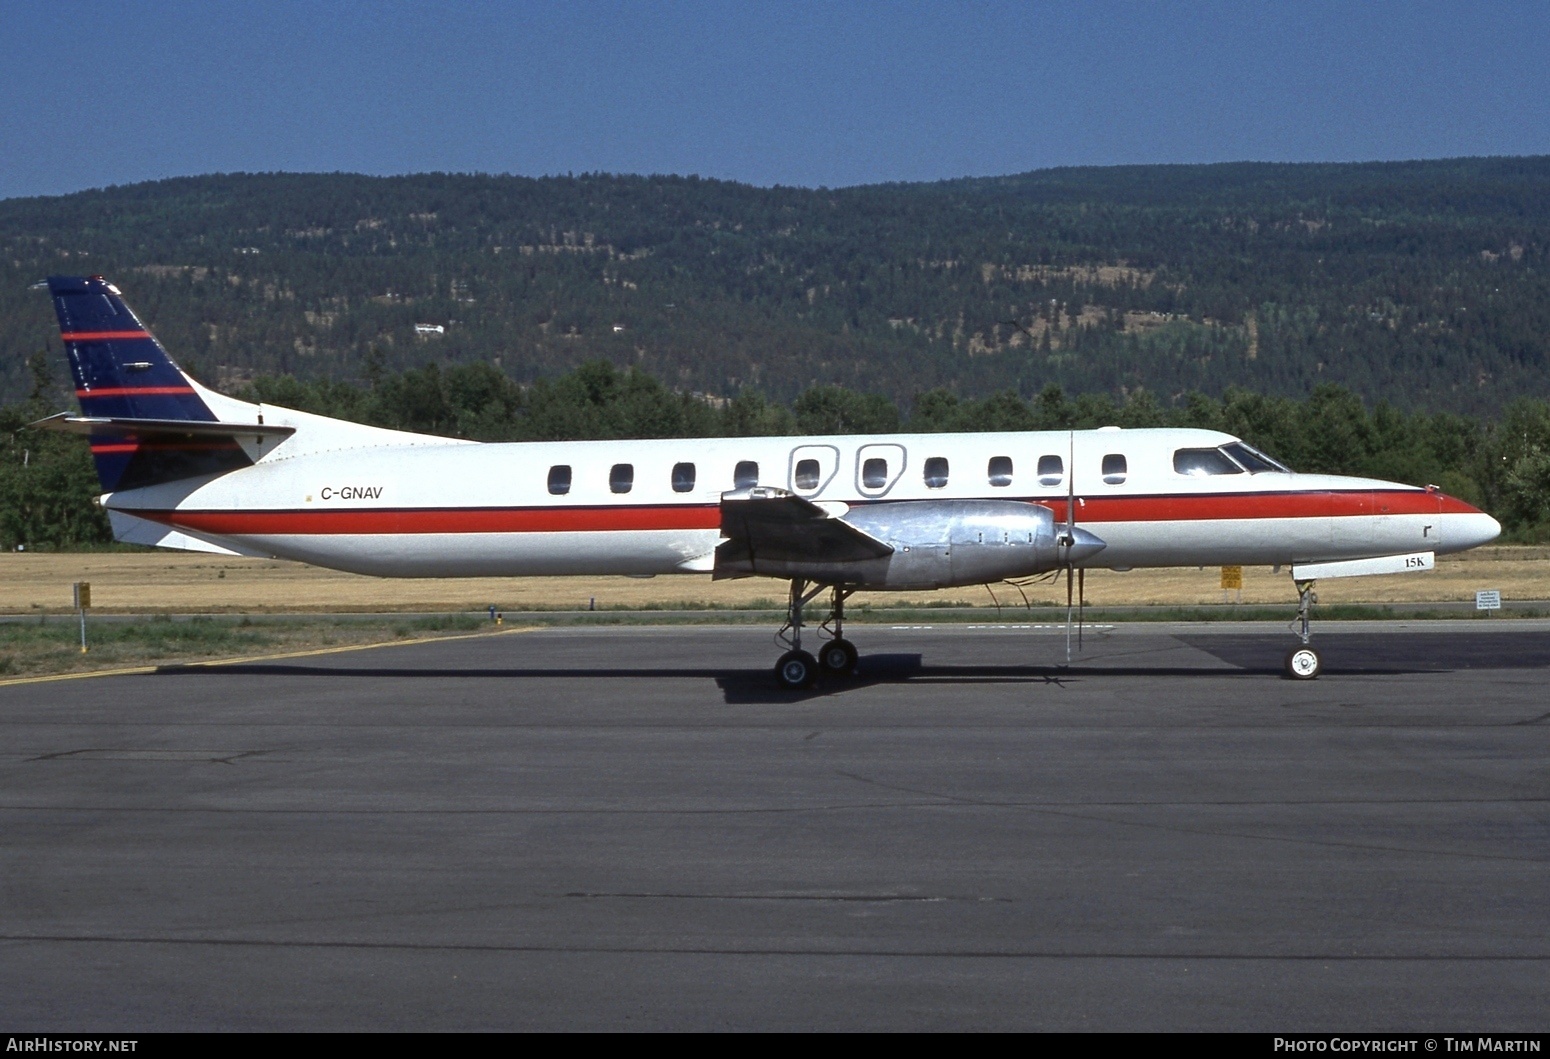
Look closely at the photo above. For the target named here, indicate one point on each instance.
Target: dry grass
(182, 583)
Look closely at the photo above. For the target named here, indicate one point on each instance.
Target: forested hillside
(1420, 284)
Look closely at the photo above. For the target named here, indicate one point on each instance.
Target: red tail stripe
(101, 336)
(134, 391)
(155, 446)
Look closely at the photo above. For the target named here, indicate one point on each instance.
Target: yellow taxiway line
(213, 662)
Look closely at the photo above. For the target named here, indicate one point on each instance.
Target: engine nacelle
(940, 544)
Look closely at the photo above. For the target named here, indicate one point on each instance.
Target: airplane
(184, 467)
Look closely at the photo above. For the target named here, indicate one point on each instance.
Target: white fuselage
(454, 509)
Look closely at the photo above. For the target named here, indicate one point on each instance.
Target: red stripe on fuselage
(101, 336)
(1182, 507)
(443, 520)
(134, 391)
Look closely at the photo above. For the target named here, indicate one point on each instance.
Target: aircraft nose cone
(1481, 529)
(1462, 531)
(1083, 546)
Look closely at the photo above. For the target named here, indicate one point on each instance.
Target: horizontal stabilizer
(99, 426)
(771, 525)
(152, 451)
(1414, 563)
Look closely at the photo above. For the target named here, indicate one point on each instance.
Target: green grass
(53, 644)
(439, 623)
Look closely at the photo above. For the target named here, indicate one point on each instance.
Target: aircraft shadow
(1245, 657)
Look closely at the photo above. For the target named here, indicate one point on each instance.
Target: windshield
(1199, 462)
(1255, 461)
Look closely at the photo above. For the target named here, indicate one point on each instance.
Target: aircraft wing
(773, 525)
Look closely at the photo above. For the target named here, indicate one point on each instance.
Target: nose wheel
(1303, 661)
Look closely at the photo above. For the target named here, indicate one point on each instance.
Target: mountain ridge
(1421, 283)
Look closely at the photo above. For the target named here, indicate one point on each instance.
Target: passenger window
(806, 476)
(559, 479)
(874, 473)
(622, 478)
(1051, 470)
(746, 475)
(999, 471)
(1114, 468)
(936, 472)
(683, 477)
(1200, 462)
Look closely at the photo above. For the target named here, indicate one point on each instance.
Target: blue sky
(789, 93)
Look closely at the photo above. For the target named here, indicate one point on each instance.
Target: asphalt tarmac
(630, 828)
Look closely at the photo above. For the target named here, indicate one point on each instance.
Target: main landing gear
(1303, 661)
(797, 669)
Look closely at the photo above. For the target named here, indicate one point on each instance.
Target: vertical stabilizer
(122, 373)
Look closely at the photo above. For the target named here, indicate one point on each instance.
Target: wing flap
(773, 525)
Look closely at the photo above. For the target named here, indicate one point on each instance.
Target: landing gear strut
(1303, 661)
(838, 656)
(797, 669)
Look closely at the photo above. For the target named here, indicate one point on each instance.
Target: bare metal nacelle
(920, 544)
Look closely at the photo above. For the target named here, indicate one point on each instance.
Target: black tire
(796, 670)
(1303, 662)
(838, 657)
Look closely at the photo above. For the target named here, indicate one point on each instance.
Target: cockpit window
(1253, 460)
(1200, 462)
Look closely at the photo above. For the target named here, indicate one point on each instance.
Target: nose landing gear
(797, 669)
(1303, 661)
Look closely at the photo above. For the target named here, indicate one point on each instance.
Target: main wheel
(796, 670)
(838, 657)
(1303, 663)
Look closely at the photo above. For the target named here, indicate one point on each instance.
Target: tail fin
(123, 375)
(120, 371)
